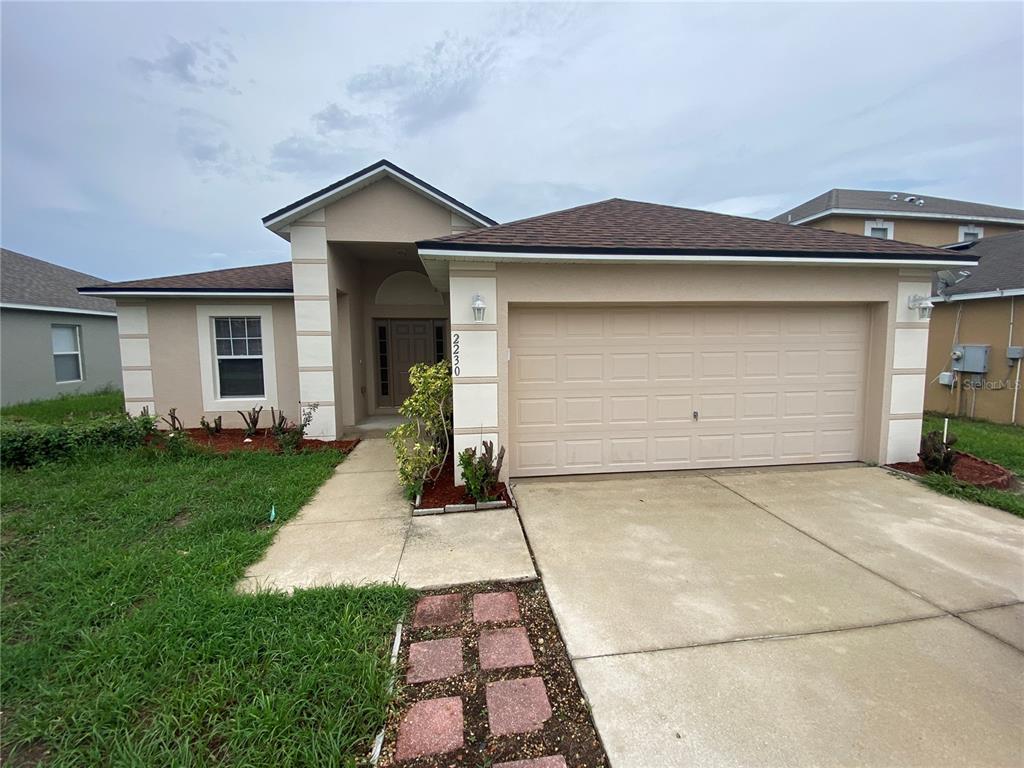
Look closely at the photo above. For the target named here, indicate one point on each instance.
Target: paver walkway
(519, 705)
(359, 529)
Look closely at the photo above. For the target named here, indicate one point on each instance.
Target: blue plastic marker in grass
(273, 512)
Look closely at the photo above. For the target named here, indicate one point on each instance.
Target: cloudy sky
(145, 139)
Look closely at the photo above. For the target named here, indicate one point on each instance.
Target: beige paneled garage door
(646, 388)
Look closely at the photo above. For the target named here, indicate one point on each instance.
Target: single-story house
(616, 336)
(976, 334)
(53, 340)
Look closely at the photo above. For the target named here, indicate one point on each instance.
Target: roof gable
(282, 217)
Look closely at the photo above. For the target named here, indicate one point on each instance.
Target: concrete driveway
(787, 618)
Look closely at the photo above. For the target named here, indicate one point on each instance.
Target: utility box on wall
(970, 358)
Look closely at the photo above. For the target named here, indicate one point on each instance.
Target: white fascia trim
(996, 294)
(190, 294)
(904, 215)
(339, 192)
(662, 258)
(62, 310)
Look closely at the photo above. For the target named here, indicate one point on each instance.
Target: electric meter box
(970, 358)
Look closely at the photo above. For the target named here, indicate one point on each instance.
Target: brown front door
(402, 344)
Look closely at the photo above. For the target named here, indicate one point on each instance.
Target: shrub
(290, 435)
(936, 455)
(480, 473)
(26, 443)
(251, 419)
(422, 443)
(212, 428)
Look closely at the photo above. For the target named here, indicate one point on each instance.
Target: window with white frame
(236, 360)
(970, 232)
(878, 228)
(238, 344)
(67, 352)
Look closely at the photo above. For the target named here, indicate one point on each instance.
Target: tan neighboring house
(976, 338)
(616, 336)
(903, 216)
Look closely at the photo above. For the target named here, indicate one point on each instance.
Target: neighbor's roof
(626, 227)
(263, 278)
(362, 178)
(859, 201)
(1000, 265)
(26, 282)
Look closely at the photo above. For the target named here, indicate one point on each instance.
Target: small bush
(26, 443)
(480, 473)
(289, 435)
(938, 456)
(422, 443)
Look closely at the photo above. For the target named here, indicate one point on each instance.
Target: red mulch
(234, 440)
(968, 469)
(444, 490)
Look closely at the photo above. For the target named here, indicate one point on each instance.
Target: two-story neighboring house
(912, 218)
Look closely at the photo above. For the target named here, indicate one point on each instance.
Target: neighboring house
(902, 216)
(53, 340)
(983, 310)
(616, 336)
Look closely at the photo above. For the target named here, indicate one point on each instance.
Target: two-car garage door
(614, 389)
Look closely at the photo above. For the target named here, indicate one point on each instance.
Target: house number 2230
(455, 354)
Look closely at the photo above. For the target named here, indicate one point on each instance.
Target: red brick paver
(495, 606)
(434, 660)
(504, 648)
(553, 761)
(517, 706)
(437, 611)
(429, 728)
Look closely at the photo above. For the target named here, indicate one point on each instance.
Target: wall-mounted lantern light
(479, 308)
(922, 304)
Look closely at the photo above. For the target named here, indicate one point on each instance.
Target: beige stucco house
(912, 218)
(617, 336)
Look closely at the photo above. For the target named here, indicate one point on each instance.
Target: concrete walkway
(785, 618)
(359, 529)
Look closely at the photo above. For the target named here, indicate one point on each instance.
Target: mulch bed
(444, 491)
(568, 732)
(234, 440)
(968, 469)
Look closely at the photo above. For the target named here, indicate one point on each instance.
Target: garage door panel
(615, 389)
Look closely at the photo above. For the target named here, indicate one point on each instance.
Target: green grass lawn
(59, 409)
(1001, 443)
(124, 642)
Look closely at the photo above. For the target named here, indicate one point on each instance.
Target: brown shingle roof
(628, 227)
(276, 278)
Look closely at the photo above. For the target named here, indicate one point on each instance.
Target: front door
(402, 344)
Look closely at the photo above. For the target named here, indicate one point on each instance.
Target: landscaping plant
(28, 443)
(214, 428)
(172, 420)
(290, 436)
(936, 455)
(480, 473)
(422, 442)
(251, 419)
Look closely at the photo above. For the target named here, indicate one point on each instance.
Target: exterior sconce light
(479, 308)
(922, 304)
